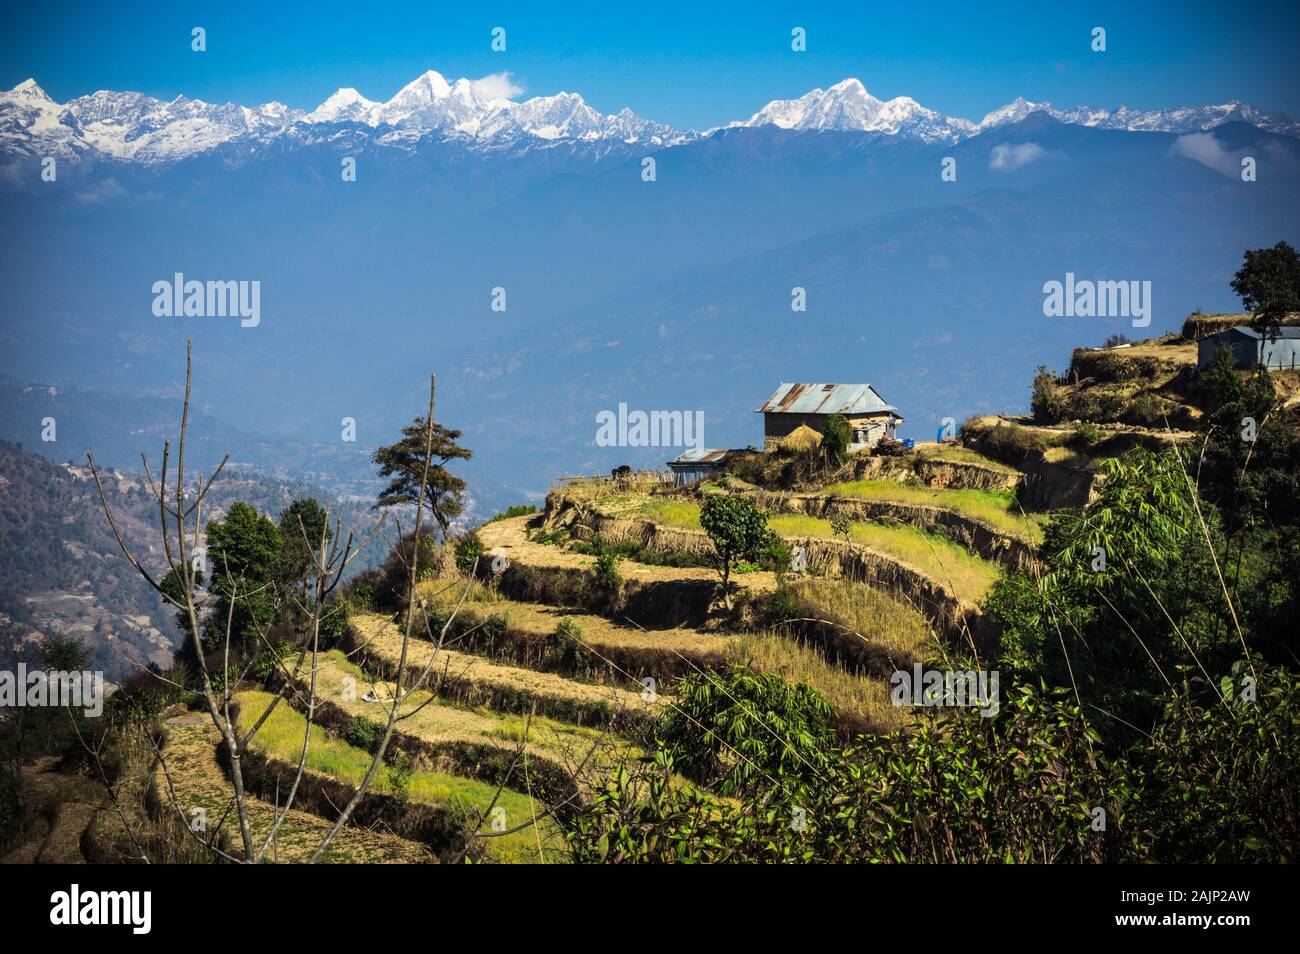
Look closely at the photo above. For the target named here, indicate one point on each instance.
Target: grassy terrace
(197, 779)
(962, 455)
(997, 508)
(281, 736)
(433, 720)
(959, 571)
(480, 677)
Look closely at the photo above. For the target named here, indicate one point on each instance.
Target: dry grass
(962, 455)
(540, 620)
(473, 679)
(429, 719)
(882, 620)
(860, 700)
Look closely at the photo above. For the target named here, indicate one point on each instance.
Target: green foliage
(1045, 400)
(836, 439)
(570, 650)
(267, 661)
(1019, 787)
(64, 654)
(606, 572)
(518, 510)
(738, 530)
(302, 525)
(1118, 573)
(1220, 778)
(364, 734)
(469, 551)
(735, 730)
(390, 589)
(1214, 782)
(1269, 284)
(1250, 471)
(841, 526)
(243, 553)
(404, 463)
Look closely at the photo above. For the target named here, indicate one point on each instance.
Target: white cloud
(103, 191)
(495, 86)
(1208, 151)
(1010, 158)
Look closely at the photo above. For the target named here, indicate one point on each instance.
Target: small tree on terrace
(404, 462)
(738, 530)
(836, 439)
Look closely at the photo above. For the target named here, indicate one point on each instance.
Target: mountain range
(669, 294)
(481, 115)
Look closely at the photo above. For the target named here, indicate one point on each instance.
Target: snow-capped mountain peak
(484, 115)
(847, 106)
(1012, 112)
(346, 105)
(31, 90)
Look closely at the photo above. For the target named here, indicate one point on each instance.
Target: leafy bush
(364, 734)
(836, 439)
(1046, 402)
(731, 730)
(394, 578)
(570, 650)
(606, 572)
(469, 551)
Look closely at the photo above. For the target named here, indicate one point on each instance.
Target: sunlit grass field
(959, 571)
(281, 736)
(997, 508)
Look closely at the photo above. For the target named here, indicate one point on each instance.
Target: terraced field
(192, 778)
(997, 508)
(527, 705)
(332, 759)
(957, 570)
(459, 735)
(472, 680)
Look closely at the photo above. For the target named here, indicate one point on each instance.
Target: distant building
(698, 463)
(1252, 349)
(870, 418)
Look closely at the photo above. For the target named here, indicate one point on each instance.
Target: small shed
(792, 406)
(1277, 351)
(698, 463)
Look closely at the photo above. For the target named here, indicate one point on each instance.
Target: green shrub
(606, 572)
(519, 510)
(364, 734)
(469, 551)
(731, 730)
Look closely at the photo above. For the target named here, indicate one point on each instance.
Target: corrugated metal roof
(700, 455)
(1283, 332)
(826, 399)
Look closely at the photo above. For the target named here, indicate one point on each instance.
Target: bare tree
(180, 527)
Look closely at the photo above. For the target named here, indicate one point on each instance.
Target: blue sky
(690, 64)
